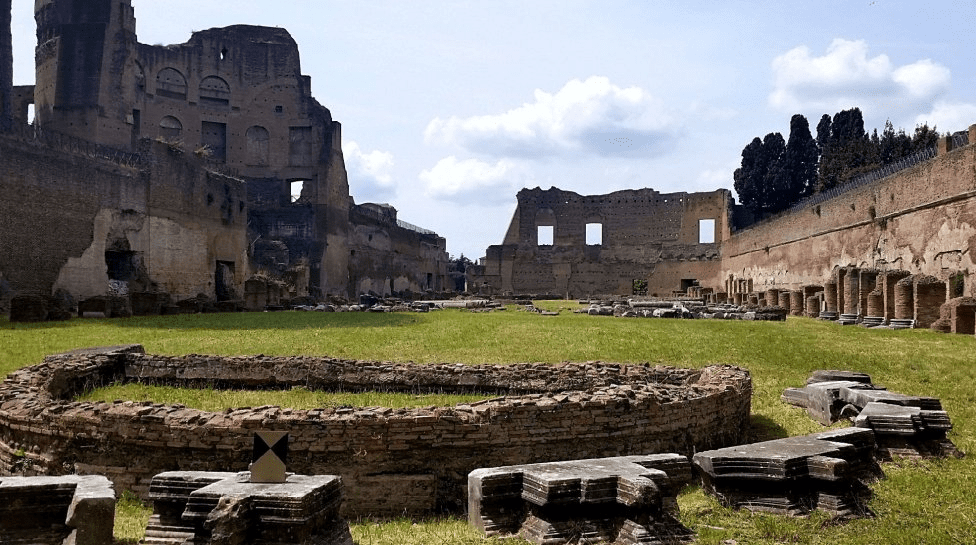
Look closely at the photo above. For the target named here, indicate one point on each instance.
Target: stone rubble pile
(628, 500)
(904, 425)
(684, 309)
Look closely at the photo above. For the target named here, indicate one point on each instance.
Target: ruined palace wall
(61, 212)
(48, 206)
(386, 258)
(392, 461)
(645, 235)
(922, 220)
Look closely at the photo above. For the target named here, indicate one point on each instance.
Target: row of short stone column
(885, 296)
(873, 297)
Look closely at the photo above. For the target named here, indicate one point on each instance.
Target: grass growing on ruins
(917, 502)
(213, 400)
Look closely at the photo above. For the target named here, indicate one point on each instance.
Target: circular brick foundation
(392, 461)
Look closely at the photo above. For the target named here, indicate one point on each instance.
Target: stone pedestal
(625, 500)
(210, 508)
(793, 476)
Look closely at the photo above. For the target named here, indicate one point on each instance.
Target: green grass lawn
(918, 501)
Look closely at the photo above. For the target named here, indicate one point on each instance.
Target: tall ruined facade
(235, 95)
(570, 245)
(6, 68)
(230, 104)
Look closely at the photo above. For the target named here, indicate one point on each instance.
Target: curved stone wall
(392, 461)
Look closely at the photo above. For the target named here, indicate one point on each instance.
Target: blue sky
(450, 107)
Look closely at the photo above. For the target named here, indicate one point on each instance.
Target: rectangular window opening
(706, 231)
(296, 190)
(545, 235)
(594, 234)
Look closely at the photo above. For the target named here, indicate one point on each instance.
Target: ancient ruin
(392, 461)
(627, 500)
(159, 173)
(793, 476)
(210, 508)
(903, 425)
(73, 509)
(888, 249)
(571, 245)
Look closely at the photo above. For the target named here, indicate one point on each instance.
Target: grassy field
(917, 502)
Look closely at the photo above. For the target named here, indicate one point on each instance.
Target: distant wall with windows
(570, 245)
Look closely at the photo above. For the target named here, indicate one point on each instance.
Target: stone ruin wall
(646, 235)
(392, 461)
(387, 258)
(61, 212)
(233, 96)
(921, 220)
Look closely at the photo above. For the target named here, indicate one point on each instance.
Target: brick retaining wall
(392, 461)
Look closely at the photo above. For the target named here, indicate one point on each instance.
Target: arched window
(258, 145)
(214, 90)
(171, 83)
(170, 128)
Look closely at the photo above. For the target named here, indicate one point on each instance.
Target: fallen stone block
(74, 509)
(624, 500)
(793, 476)
(207, 508)
(904, 425)
(907, 431)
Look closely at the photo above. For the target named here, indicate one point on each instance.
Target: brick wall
(922, 220)
(392, 461)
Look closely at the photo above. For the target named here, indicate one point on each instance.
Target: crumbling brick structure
(236, 133)
(6, 68)
(392, 461)
(602, 244)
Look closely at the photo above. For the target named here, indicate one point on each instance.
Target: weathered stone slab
(623, 500)
(72, 509)
(218, 507)
(793, 476)
(907, 431)
(904, 425)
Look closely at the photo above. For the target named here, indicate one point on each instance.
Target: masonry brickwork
(392, 461)
(921, 220)
(231, 101)
(646, 235)
(65, 214)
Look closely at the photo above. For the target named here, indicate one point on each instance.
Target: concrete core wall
(601, 244)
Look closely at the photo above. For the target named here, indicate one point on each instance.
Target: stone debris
(211, 508)
(681, 308)
(73, 509)
(623, 500)
(395, 462)
(904, 425)
(793, 476)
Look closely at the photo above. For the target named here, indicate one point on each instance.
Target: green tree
(924, 137)
(845, 149)
(760, 179)
(800, 161)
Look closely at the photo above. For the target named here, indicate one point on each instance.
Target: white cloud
(846, 76)
(592, 116)
(949, 116)
(471, 180)
(370, 177)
